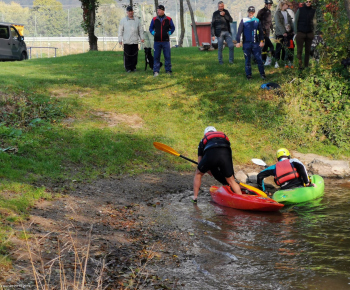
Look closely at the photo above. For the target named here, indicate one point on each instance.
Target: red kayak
(250, 200)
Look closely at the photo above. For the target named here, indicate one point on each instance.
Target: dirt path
(111, 220)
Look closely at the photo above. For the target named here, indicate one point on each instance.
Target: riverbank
(112, 222)
(71, 123)
(126, 229)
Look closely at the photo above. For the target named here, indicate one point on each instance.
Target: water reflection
(305, 246)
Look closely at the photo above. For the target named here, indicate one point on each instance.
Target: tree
(194, 27)
(89, 20)
(347, 7)
(156, 4)
(14, 12)
(73, 16)
(47, 18)
(182, 23)
(109, 16)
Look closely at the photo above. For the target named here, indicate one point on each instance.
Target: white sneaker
(276, 65)
(268, 61)
(155, 74)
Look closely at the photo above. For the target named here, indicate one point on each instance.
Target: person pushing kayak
(214, 158)
(288, 173)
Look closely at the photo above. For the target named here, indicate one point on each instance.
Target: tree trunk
(91, 28)
(347, 7)
(194, 27)
(182, 23)
(131, 3)
(156, 4)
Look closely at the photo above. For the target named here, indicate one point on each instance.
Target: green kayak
(301, 194)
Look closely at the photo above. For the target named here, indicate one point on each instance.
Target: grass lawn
(82, 117)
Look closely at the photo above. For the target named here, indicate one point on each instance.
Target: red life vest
(285, 172)
(291, 44)
(211, 135)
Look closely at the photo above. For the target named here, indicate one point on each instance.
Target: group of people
(253, 34)
(215, 158)
(131, 31)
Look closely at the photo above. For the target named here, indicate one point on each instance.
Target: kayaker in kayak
(289, 173)
(214, 158)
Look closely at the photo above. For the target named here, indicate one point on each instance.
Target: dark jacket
(305, 20)
(251, 29)
(265, 17)
(220, 23)
(161, 26)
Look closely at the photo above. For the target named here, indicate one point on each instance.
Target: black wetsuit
(217, 157)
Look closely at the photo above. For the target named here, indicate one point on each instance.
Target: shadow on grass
(224, 92)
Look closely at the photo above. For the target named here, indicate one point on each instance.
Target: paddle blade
(258, 162)
(165, 148)
(254, 189)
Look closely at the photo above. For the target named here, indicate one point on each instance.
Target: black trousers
(268, 44)
(130, 56)
(279, 47)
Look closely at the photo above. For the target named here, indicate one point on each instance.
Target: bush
(316, 108)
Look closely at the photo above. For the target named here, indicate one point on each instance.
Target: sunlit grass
(100, 99)
(82, 117)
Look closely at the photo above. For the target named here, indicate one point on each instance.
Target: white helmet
(209, 129)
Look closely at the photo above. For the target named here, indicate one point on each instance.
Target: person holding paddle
(288, 173)
(214, 158)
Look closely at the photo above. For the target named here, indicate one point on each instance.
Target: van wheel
(23, 56)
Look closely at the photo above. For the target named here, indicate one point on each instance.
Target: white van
(12, 45)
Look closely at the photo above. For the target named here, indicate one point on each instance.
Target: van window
(14, 33)
(4, 32)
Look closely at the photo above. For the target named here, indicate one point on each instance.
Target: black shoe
(249, 77)
(194, 200)
(263, 77)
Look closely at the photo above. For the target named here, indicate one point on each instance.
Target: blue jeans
(225, 35)
(158, 46)
(250, 48)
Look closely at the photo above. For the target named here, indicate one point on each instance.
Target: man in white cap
(215, 158)
(130, 32)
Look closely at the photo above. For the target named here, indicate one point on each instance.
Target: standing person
(214, 158)
(284, 33)
(130, 32)
(265, 17)
(221, 28)
(304, 27)
(289, 173)
(161, 27)
(290, 11)
(253, 41)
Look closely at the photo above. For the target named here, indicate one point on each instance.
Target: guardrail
(66, 39)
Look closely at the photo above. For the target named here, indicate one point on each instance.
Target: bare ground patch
(113, 119)
(108, 224)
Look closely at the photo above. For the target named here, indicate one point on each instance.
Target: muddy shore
(116, 224)
(114, 221)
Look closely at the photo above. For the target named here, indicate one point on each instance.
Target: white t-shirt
(285, 13)
(291, 13)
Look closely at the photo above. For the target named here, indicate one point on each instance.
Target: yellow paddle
(167, 149)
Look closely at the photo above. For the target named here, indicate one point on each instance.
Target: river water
(303, 246)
